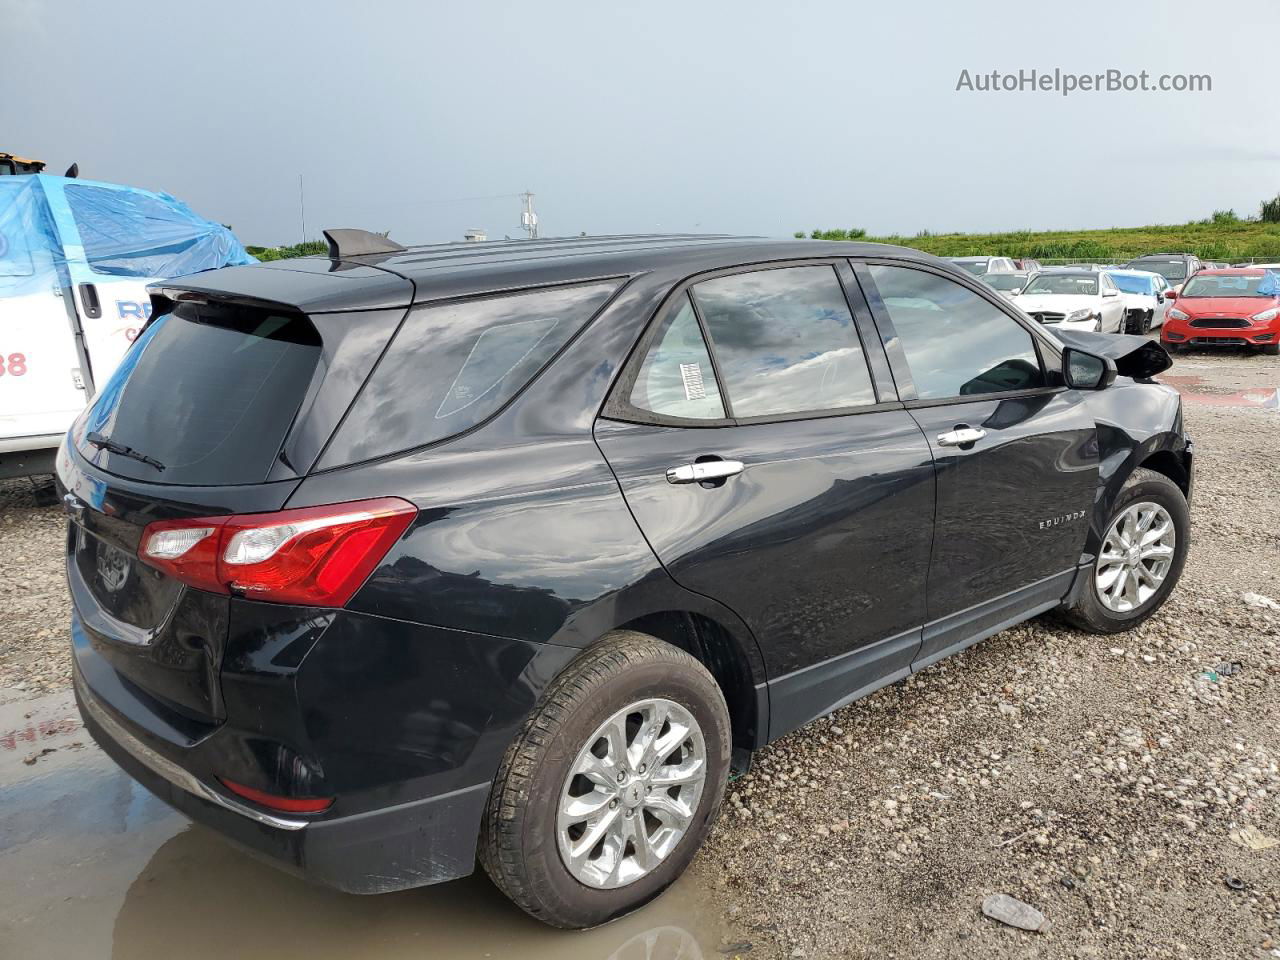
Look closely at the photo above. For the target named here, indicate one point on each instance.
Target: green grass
(284, 253)
(1217, 239)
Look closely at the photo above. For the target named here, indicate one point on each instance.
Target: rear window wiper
(111, 446)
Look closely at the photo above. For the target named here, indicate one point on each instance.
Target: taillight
(314, 556)
(185, 549)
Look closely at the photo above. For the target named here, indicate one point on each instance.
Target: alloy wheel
(1137, 554)
(631, 793)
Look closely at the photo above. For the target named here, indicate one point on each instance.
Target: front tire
(1272, 350)
(611, 786)
(1141, 558)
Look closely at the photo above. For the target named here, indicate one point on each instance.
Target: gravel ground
(35, 645)
(1096, 778)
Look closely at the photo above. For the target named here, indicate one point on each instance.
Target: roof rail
(358, 243)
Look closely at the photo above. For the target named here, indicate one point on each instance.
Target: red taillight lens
(317, 556)
(275, 802)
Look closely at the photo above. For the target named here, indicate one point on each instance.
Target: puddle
(1195, 390)
(92, 866)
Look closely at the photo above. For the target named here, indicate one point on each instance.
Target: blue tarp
(122, 231)
(30, 253)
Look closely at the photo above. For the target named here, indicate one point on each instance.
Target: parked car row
(1087, 297)
(1218, 305)
(1100, 298)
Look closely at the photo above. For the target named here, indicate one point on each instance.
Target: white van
(75, 260)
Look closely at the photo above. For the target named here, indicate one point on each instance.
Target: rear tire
(1088, 609)
(528, 835)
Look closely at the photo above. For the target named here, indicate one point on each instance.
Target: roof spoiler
(358, 243)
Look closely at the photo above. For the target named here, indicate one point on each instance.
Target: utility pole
(529, 219)
(302, 206)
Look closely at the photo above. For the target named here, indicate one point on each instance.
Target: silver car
(1008, 284)
(979, 266)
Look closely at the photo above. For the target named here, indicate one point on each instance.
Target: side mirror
(1171, 294)
(1109, 293)
(1087, 371)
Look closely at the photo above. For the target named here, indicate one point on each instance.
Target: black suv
(1176, 268)
(391, 560)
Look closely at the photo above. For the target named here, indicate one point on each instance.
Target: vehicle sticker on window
(694, 388)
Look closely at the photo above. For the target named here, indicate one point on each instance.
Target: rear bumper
(44, 441)
(28, 456)
(411, 844)
(403, 724)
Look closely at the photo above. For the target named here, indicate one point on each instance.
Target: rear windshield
(206, 396)
(453, 365)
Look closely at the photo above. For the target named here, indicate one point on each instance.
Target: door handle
(89, 299)
(707, 470)
(961, 436)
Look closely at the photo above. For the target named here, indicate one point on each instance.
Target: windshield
(1073, 284)
(1232, 285)
(1004, 281)
(1132, 284)
(1174, 271)
(975, 267)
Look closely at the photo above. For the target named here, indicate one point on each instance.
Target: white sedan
(1074, 300)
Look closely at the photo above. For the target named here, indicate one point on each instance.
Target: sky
(426, 119)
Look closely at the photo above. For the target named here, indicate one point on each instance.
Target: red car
(1216, 308)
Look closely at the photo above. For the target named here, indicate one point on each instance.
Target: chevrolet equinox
(396, 559)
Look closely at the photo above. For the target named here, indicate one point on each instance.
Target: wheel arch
(1171, 465)
(716, 647)
(1165, 451)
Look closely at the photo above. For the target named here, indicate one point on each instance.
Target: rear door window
(206, 395)
(453, 365)
(785, 342)
(676, 378)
